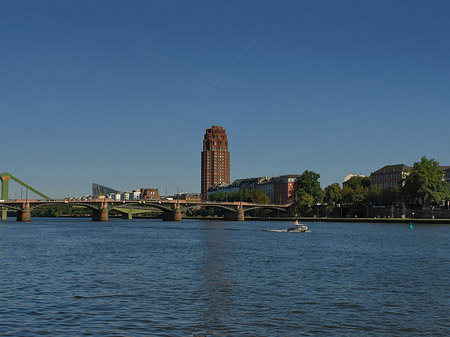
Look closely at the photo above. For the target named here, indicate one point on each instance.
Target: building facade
(215, 164)
(280, 190)
(389, 175)
(285, 189)
(149, 194)
(446, 170)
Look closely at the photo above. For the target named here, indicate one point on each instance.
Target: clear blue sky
(120, 92)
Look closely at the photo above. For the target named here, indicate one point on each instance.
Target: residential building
(280, 190)
(215, 160)
(268, 188)
(114, 196)
(222, 187)
(285, 188)
(389, 175)
(150, 194)
(135, 195)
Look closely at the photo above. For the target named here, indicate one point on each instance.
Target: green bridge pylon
(5, 178)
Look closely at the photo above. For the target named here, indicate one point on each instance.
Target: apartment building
(389, 175)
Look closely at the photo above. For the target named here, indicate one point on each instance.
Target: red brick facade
(285, 189)
(215, 159)
(150, 194)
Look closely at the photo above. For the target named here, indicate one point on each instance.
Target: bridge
(172, 209)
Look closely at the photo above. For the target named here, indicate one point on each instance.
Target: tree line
(423, 184)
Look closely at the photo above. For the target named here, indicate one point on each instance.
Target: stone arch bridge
(172, 209)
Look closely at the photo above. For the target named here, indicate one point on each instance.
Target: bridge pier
(4, 214)
(234, 216)
(174, 215)
(127, 216)
(24, 215)
(101, 215)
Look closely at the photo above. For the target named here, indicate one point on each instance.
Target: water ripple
(151, 278)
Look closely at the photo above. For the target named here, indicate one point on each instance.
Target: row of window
(387, 176)
(391, 184)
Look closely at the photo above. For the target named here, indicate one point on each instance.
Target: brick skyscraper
(215, 159)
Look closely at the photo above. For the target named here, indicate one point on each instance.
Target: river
(75, 277)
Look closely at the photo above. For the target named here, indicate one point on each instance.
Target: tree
(361, 181)
(332, 196)
(259, 197)
(305, 203)
(255, 196)
(309, 192)
(352, 197)
(389, 195)
(309, 183)
(425, 183)
(374, 195)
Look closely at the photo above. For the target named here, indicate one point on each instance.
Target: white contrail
(34, 15)
(221, 76)
(172, 61)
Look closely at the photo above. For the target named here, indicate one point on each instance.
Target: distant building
(350, 177)
(135, 195)
(215, 162)
(389, 175)
(115, 196)
(98, 190)
(236, 185)
(268, 188)
(280, 190)
(188, 197)
(150, 194)
(446, 170)
(222, 187)
(284, 188)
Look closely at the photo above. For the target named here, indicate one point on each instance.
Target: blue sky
(120, 92)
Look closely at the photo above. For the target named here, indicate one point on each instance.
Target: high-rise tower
(215, 159)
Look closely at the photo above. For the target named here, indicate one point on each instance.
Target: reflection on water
(217, 281)
(71, 277)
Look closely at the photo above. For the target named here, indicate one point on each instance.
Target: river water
(75, 277)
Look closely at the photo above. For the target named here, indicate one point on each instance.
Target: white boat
(298, 227)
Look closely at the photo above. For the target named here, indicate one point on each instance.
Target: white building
(352, 176)
(114, 196)
(135, 195)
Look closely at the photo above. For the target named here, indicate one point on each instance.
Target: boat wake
(283, 231)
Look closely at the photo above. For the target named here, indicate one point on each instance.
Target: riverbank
(378, 220)
(316, 219)
(304, 219)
